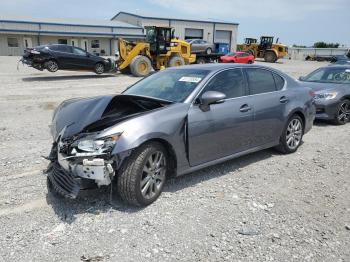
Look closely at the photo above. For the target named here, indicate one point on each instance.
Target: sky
(301, 22)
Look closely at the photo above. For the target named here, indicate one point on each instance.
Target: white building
(209, 30)
(94, 36)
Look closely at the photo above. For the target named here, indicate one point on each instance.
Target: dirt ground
(261, 207)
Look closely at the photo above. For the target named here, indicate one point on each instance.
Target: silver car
(201, 46)
(172, 123)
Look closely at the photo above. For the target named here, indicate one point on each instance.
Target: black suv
(65, 57)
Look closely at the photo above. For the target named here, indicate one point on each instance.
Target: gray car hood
(98, 113)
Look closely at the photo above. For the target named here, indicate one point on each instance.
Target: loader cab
(159, 39)
(266, 42)
(249, 41)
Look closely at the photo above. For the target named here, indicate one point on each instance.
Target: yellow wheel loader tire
(140, 66)
(176, 61)
(270, 57)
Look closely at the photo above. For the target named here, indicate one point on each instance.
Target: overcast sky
(293, 21)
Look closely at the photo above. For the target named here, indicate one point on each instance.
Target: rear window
(279, 81)
(61, 48)
(260, 81)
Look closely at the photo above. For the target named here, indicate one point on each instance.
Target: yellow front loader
(159, 50)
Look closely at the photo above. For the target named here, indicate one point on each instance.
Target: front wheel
(142, 177)
(99, 68)
(343, 113)
(292, 135)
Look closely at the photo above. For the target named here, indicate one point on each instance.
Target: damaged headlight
(100, 145)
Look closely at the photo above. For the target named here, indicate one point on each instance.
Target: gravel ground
(261, 207)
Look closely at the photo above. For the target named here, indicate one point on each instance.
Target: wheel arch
(298, 112)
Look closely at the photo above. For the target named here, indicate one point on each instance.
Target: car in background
(65, 57)
(340, 59)
(201, 46)
(174, 122)
(332, 92)
(238, 57)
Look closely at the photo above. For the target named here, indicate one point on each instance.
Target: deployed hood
(97, 113)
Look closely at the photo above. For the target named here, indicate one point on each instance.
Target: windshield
(174, 85)
(231, 54)
(330, 75)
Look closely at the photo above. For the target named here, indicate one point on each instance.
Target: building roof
(217, 21)
(67, 22)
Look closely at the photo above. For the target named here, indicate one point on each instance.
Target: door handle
(245, 108)
(284, 99)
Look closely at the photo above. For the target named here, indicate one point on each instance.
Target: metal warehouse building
(209, 30)
(94, 36)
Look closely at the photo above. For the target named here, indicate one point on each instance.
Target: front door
(266, 88)
(27, 42)
(84, 44)
(80, 59)
(74, 42)
(226, 128)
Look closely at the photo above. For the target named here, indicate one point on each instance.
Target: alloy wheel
(153, 175)
(344, 112)
(99, 68)
(52, 66)
(294, 133)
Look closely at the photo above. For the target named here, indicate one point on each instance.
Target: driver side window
(230, 82)
(78, 51)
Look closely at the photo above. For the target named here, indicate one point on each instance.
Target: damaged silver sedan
(172, 123)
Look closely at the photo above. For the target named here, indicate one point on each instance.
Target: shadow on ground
(65, 77)
(104, 200)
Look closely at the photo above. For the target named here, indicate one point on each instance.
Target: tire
(343, 112)
(176, 61)
(292, 135)
(51, 190)
(250, 62)
(51, 66)
(270, 57)
(208, 51)
(140, 66)
(99, 68)
(200, 61)
(138, 183)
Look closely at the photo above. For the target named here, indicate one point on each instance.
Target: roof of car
(217, 66)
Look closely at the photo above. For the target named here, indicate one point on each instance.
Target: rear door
(225, 129)
(269, 99)
(63, 54)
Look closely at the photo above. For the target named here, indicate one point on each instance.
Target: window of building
(12, 42)
(260, 81)
(230, 82)
(95, 43)
(62, 41)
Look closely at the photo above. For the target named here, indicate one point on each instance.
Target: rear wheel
(200, 60)
(143, 175)
(51, 66)
(176, 61)
(99, 68)
(140, 66)
(270, 57)
(292, 135)
(343, 113)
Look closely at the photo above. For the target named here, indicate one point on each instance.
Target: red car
(237, 57)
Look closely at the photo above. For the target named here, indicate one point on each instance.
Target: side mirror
(87, 54)
(211, 97)
(302, 78)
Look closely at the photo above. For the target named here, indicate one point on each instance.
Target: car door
(204, 46)
(195, 46)
(239, 58)
(81, 59)
(226, 128)
(269, 99)
(63, 55)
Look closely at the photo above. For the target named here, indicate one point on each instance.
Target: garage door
(222, 36)
(193, 33)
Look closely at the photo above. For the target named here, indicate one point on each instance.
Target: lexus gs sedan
(332, 92)
(172, 123)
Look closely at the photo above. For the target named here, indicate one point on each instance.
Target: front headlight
(100, 145)
(325, 95)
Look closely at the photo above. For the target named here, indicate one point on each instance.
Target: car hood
(315, 86)
(84, 115)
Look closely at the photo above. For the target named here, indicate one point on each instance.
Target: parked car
(65, 57)
(340, 59)
(172, 123)
(332, 92)
(238, 57)
(201, 46)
